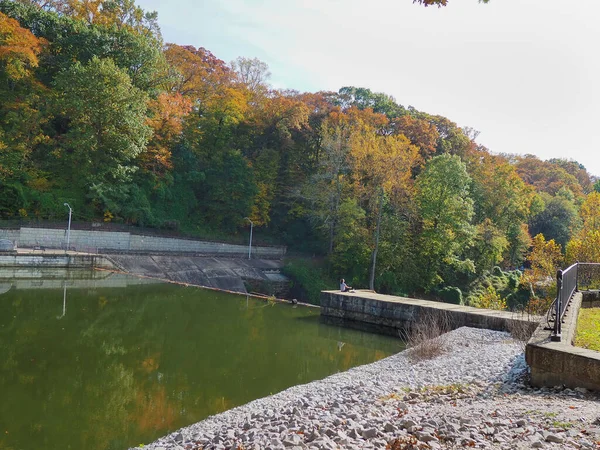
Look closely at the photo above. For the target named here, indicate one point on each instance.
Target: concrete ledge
(394, 315)
(72, 261)
(560, 363)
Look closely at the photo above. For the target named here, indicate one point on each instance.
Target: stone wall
(102, 241)
(396, 315)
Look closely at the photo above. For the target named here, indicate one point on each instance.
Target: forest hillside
(97, 111)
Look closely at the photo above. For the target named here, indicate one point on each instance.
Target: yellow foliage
(19, 48)
(585, 245)
(490, 299)
(108, 216)
(22, 212)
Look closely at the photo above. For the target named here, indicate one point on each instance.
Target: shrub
(309, 278)
(451, 294)
(425, 340)
(490, 299)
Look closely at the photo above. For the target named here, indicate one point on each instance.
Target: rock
(370, 433)
(537, 444)
(554, 438)
(408, 424)
(389, 428)
(425, 437)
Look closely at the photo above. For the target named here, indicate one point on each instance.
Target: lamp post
(250, 244)
(69, 227)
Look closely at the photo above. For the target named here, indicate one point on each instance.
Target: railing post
(577, 276)
(557, 318)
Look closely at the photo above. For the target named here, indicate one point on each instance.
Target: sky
(524, 73)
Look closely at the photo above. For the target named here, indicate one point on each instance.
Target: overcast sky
(522, 72)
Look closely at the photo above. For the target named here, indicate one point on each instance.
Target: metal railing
(579, 276)
(566, 285)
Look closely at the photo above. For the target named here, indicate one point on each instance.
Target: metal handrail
(566, 285)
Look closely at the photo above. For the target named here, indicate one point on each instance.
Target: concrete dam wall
(228, 274)
(395, 315)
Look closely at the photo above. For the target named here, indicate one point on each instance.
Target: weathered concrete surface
(394, 315)
(219, 273)
(560, 363)
(107, 241)
(71, 260)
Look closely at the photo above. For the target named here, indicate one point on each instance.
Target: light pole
(250, 245)
(69, 227)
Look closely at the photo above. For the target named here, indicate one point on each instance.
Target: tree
(167, 113)
(421, 133)
(544, 259)
(120, 13)
(446, 210)
(585, 245)
(105, 118)
(556, 221)
(382, 169)
(19, 49)
(253, 73)
(324, 191)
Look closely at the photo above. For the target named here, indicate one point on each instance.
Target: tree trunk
(374, 258)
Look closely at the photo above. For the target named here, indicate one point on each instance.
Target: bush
(309, 278)
(451, 294)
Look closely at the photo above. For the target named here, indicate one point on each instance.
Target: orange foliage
(199, 74)
(19, 48)
(420, 132)
(166, 120)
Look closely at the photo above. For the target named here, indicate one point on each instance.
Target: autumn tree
(167, 114)
(253, 72)
(382, 168)
(585, 245)
(545, 259)
(19, 49)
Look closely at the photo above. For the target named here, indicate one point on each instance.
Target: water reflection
(64, 311)
(129, 364)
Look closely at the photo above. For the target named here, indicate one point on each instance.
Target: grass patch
(588, 329)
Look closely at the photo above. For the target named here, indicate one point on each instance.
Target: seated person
(344, 287)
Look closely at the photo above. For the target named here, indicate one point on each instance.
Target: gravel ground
(473, 395)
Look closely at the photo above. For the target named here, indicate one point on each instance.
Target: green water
(113, 368)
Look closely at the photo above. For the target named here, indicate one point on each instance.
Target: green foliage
(106, 128)
(309, 278)
(451, 294)
(498, 288)
(446, 211)
(95, 111)
(557, 220)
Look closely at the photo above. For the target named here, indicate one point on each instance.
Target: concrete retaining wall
(94, 241)
(394, 315)
(560, 363)
(68, 261)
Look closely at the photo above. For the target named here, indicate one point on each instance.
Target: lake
(99, 361)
